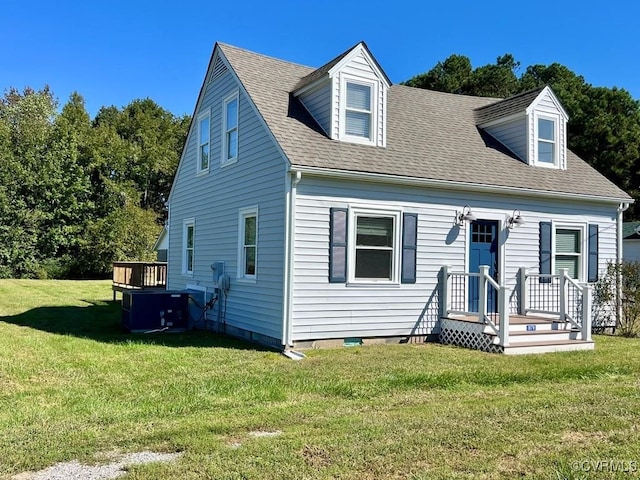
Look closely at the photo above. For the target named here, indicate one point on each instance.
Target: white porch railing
(456, 301)
(556, 295)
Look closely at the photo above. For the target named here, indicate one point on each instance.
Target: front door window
(483, 250)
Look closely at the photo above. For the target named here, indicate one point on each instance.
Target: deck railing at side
(138, 275)
(557, 294)
(455, 300)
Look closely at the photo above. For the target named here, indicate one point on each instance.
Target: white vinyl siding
(513, 135)
(545, 108)
(324, 310)
(214, 200)
(631, 250)
(359, 70)
(204, 144)
(230, 114)
(318, 103)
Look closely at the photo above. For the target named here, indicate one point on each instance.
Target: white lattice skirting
(467, 335)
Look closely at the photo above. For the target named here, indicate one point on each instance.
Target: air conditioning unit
(154, 310)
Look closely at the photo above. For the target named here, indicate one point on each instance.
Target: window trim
(224, 160)
(584, 247)
(201, 117)
(186, 223)
(354, 213)
(373, 127)
(243, 214)
(556, 143)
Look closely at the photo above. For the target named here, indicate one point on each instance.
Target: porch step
(541, 326)
(548, 347)
(543, 336)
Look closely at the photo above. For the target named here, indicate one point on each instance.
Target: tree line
(77, 193)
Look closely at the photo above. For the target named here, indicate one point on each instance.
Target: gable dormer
(348, 97)
(533, 125)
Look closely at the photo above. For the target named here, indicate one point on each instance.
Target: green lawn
(73, 385)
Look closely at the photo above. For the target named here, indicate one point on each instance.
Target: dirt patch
(315, 456)
(583, 438)
(117, 467)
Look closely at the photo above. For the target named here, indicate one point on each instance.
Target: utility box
(155, 310)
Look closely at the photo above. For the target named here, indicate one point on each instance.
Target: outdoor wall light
(464, 216)
(515, 220)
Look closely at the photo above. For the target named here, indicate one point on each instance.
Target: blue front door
(483, 250)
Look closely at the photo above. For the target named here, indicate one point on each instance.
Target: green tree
(451, 75)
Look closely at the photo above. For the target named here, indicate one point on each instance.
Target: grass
(72, 385)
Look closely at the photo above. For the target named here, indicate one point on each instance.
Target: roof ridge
(252, 52)
(514, 97)
(457, 95)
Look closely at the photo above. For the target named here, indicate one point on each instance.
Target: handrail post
(586, 312)
(444, 290)
(564, 272)
(522, 296)
(503, 306)
(482, 293)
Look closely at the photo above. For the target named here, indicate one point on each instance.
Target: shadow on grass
(102, 322)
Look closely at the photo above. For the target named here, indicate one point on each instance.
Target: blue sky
(113, 51)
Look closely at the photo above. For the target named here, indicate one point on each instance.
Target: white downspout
(621, 209)
(292, 184)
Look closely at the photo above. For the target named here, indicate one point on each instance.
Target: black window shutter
(593, 253)
(338, 245)
(545, 251)
(409, 247)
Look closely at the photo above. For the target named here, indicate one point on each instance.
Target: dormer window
(358, 111)
(547, 141)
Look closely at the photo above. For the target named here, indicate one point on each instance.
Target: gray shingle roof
(430, 135)
(508, 106)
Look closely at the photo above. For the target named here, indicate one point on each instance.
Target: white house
(339, 208)
(631, 241)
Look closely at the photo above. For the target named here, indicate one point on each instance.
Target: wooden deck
(138, 276)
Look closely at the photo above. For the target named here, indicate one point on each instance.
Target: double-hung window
(568, 251)
(203, 142)
(375, 240)
(188, 242)
(547, 141)
(358, 111)
(230, 129)
(248, 243)
(374, 247)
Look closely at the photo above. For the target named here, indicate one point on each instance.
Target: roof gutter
(451, 185)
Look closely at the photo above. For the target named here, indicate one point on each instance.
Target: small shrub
(605, 295)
